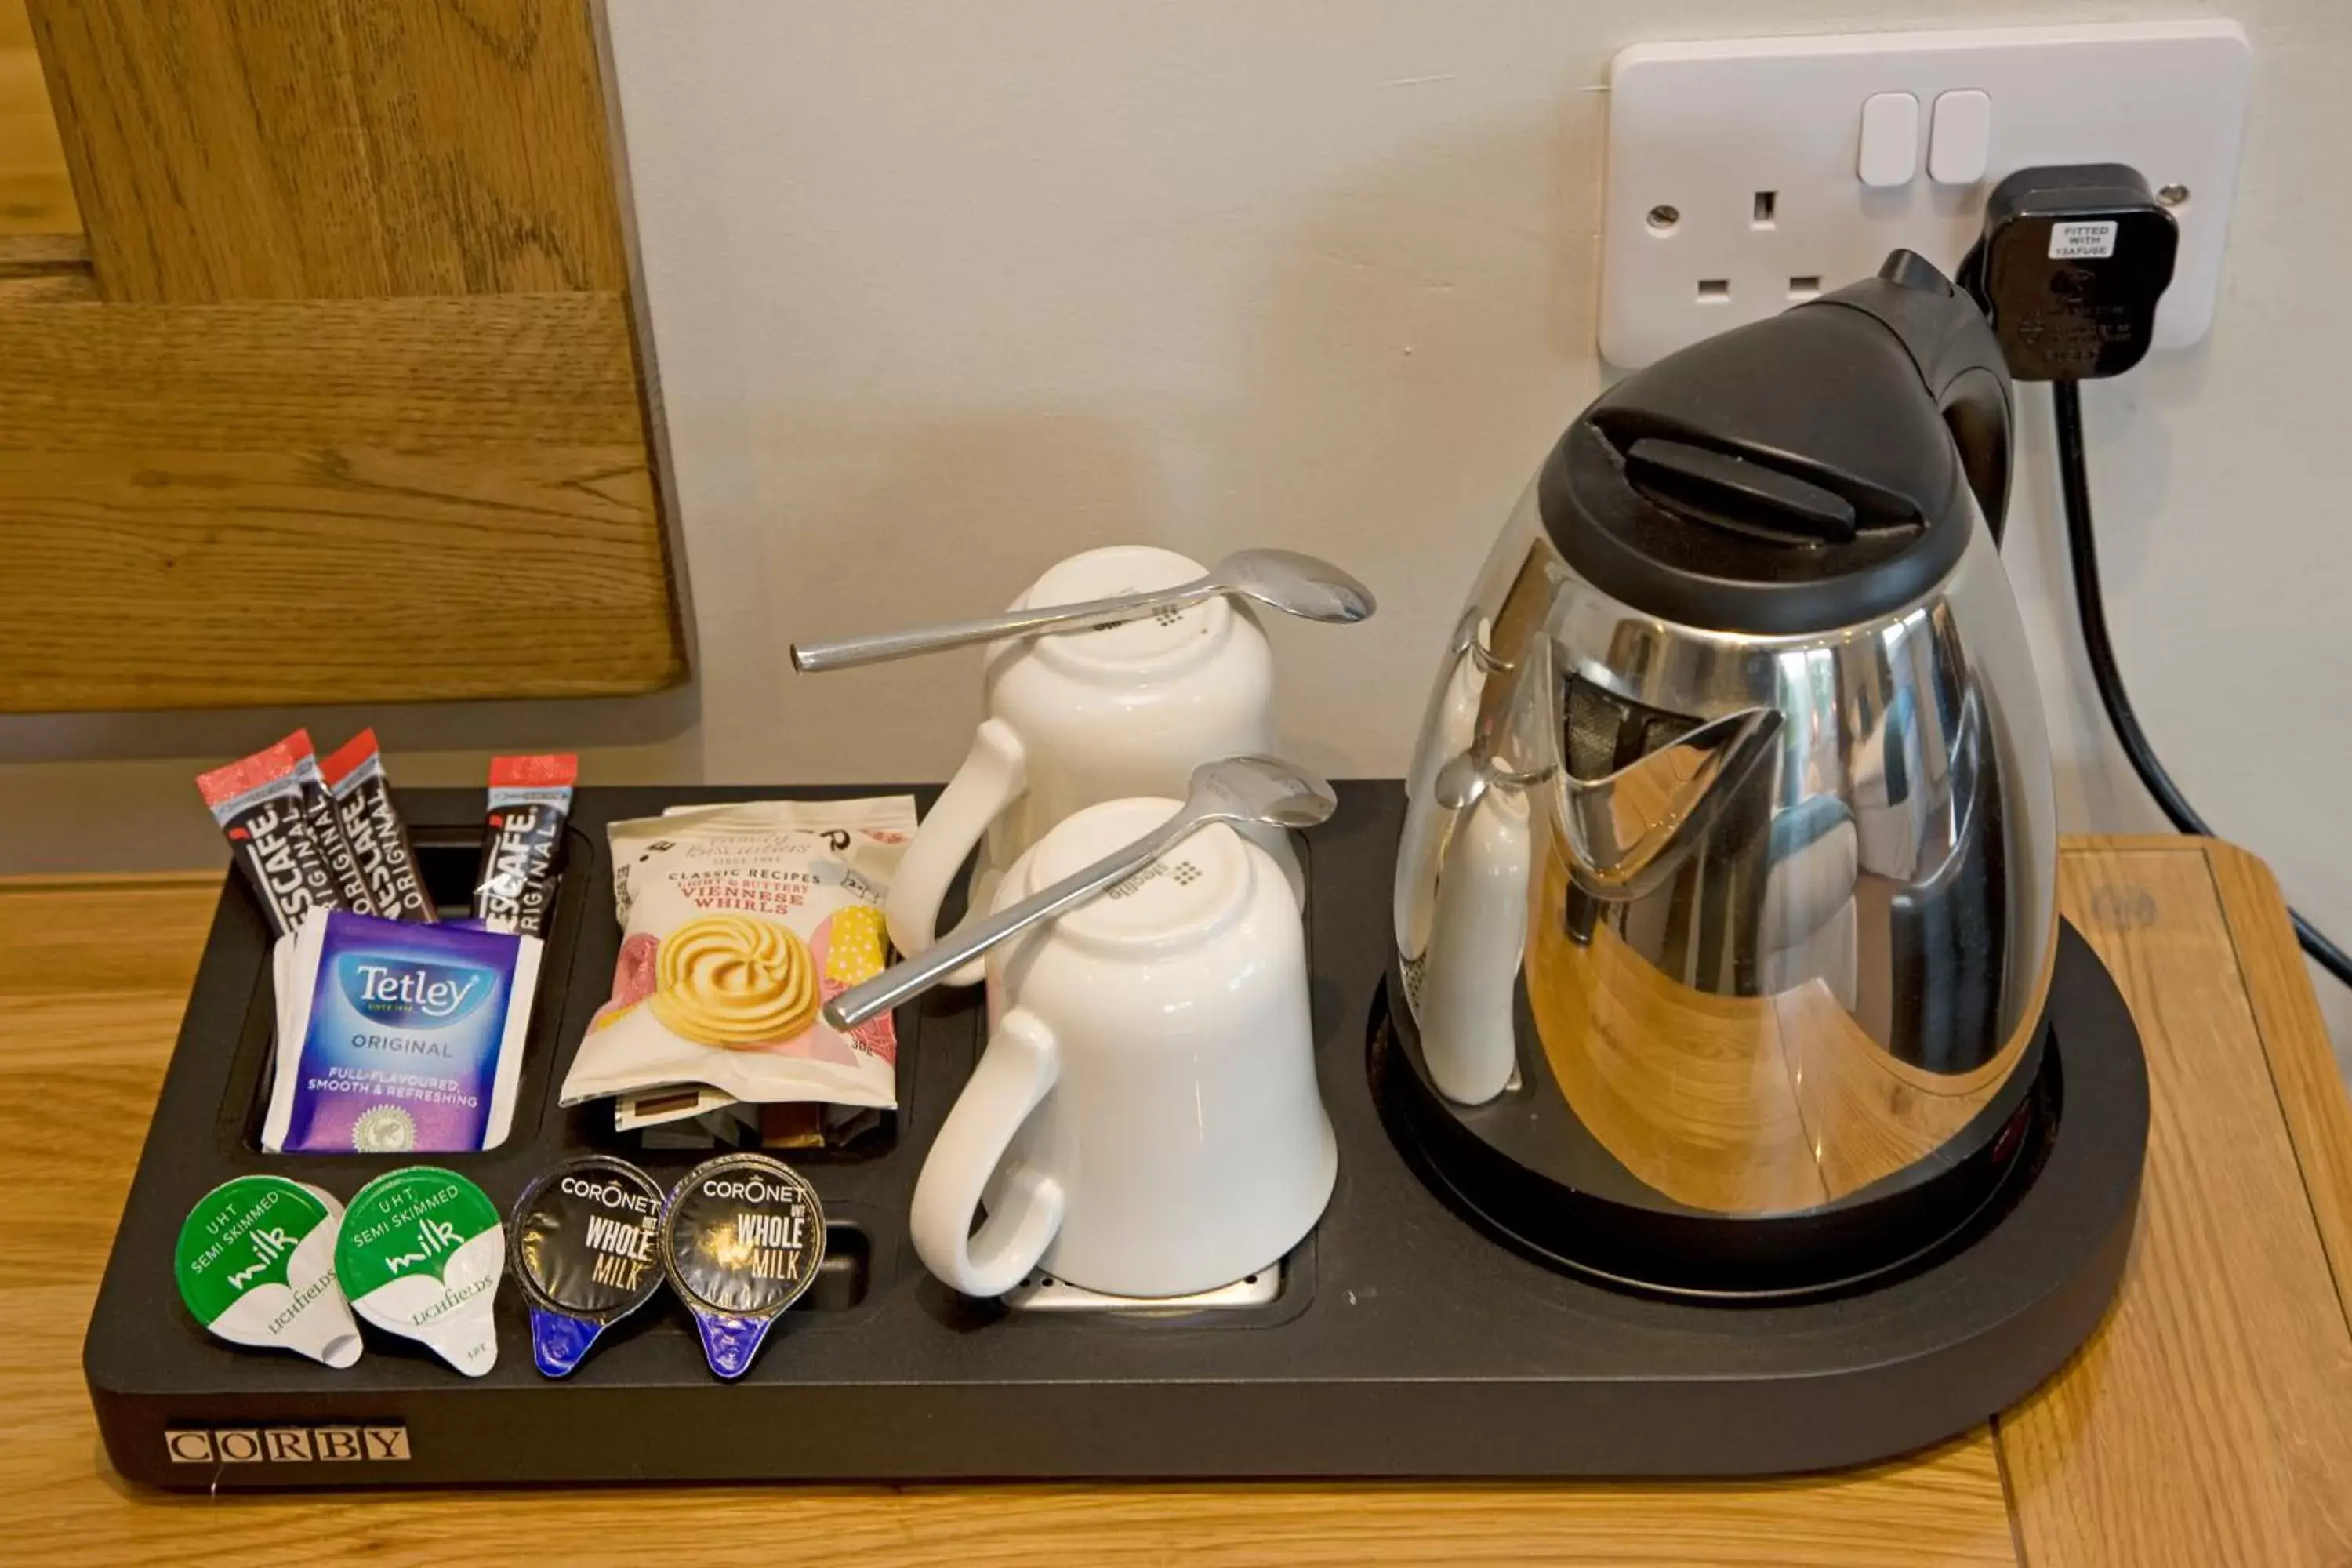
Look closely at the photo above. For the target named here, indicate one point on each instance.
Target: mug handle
(995, 773)
(1021, 1064)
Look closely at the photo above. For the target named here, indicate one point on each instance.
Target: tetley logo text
(410, 993)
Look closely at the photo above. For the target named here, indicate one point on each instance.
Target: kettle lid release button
(1732, 492)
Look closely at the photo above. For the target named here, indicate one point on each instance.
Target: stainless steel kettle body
(1783, 909)
(1764, 900)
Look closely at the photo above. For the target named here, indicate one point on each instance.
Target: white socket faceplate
(1735, 180)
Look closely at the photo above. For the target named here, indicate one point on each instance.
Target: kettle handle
(1960, 359)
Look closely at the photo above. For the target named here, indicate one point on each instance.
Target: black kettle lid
(1816, 469)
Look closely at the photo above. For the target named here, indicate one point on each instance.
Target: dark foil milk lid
(742, 1240)
(585, 1243)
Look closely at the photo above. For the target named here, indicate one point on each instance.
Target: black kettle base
(1587, 1215)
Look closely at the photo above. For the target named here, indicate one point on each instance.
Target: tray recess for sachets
(1400, 1340)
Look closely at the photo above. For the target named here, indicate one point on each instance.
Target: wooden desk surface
(2209, 1422)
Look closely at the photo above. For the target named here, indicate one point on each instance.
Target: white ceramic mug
(1145, 1121)
(1079, 718)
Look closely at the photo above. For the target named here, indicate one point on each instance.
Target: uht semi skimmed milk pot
(399, 1037)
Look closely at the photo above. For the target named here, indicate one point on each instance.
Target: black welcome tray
(1401, 1339)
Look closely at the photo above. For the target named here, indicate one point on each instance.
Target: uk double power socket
(1747, 176)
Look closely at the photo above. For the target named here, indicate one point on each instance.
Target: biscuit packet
(737, 923)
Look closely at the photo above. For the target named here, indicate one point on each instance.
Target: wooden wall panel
(338, 400)
(211, 148)
(36, 196)
(44, 269)
(320, 149)
(485, 129)
(305, 501)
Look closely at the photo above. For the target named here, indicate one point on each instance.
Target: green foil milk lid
(421, 1254)
(257, 1265)
(742, 1239)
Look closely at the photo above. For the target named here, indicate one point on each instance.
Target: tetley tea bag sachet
(397, 1037)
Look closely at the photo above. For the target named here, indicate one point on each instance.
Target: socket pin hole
(1713, 290)
(1662, 218)
(1760, 215)
(1805, 286)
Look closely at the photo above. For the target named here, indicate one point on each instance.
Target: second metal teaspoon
(1233, 789)
(1285, 580)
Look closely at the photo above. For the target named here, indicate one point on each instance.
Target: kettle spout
(1626, 831)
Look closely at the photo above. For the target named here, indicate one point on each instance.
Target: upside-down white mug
(1078, 717)
(1145, 1120)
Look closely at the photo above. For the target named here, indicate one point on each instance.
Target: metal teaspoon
(1233, 789)
(1283, 580)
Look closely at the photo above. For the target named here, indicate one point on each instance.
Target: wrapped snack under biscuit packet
(739, 922)
(635, 1111)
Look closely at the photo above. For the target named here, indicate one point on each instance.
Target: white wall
(943, 291)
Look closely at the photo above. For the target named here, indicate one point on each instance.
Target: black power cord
(2083, 556)
(2071, 266)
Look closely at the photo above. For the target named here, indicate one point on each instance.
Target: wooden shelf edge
(2295, 1045)
(55, 883)
(289, 688)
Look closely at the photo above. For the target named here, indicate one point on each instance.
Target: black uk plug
(2071, 264)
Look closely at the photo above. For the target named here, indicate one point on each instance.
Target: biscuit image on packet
(737, 922)
(734, 981)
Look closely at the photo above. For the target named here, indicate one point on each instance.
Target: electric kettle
(1726, 904)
